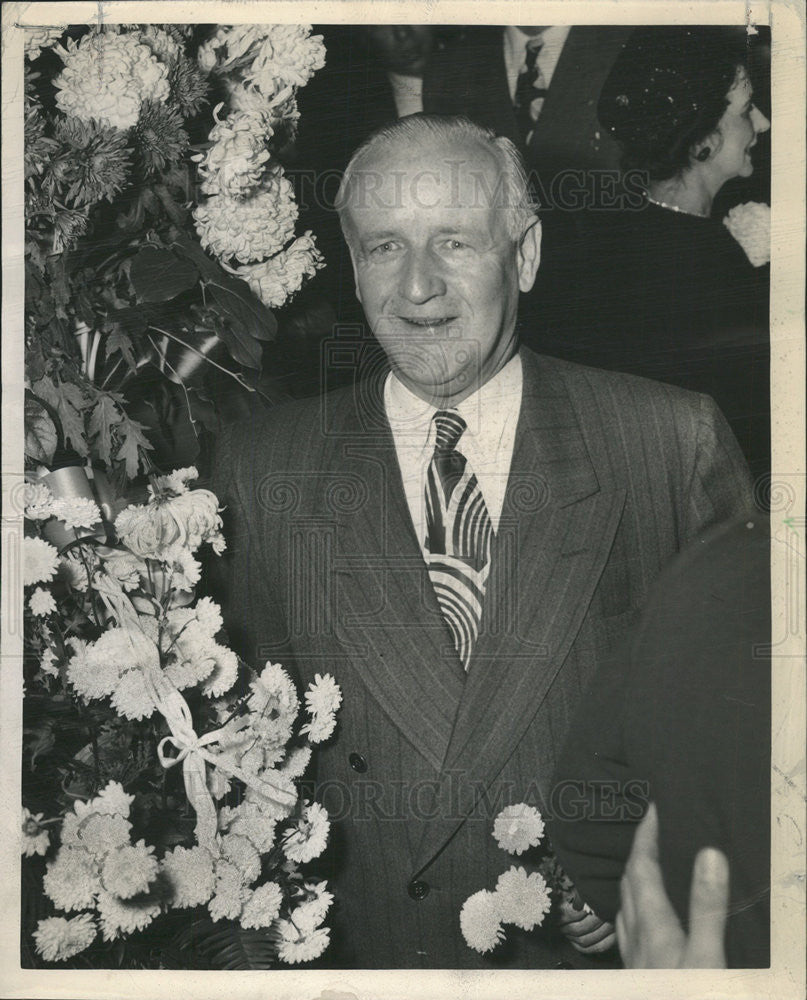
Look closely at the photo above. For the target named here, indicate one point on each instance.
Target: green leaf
(192, 251)
(104, 417)
(70, 407)
(117, 340)
(159, 275)
(243, 348)
(244, 310)
(130, 432)
(40, 433)
(69, 403)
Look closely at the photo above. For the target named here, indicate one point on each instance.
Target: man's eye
(383, 248)
(456, 245)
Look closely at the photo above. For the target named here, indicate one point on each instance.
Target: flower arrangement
(521, 898)
(160, 233)
(161, 774)
(750, 225)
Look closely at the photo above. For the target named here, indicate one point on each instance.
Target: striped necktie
(459, 533)
(531, 90)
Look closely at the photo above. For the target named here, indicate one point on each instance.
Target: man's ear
(529, 256)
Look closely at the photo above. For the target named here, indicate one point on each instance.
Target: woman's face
(738, 129)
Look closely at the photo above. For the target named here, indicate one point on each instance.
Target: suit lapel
(390, 622)
(553, 540)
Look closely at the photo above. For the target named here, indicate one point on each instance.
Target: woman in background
(662, 288)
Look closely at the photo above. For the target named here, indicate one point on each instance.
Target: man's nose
(759, 121)
(421, 279)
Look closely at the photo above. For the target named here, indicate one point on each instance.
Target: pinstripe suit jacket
(610, 476)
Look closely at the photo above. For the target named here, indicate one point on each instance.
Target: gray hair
(512, 189)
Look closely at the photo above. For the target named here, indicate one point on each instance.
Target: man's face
(436, 270)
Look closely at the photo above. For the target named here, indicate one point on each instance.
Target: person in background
(661, 288)
(681, 716)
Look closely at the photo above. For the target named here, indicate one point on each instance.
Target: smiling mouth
(429, 323)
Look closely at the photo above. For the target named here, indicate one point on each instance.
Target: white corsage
(750, 225)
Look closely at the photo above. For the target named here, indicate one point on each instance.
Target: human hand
(648, 930)
(583, 928)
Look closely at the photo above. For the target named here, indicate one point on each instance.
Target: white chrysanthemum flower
(72, 879)
(107, 77)
(74, 571)
(750, 225)
(273, 706)
(271, 807)
(249, 229)
(112, 800)
(189, 872)
(480, 921)
(175, 482)
(41, 602)
(236, 160)
(518, 828)
(160, 42)
(98, 833)
(39, 561)
(123, 916)
(309, 914)
(40, 38)
(250, 821)
(35, 838)
(230, 892)
(523, 899)
(147, 530)
(296, 762)
(92, 676)
(49, 663)
(224, 673)
(130, 697)
(126, 568)
(76, 512)
(308, 836)
(273, 281)
(208, 614)
(58, 938)
(262, 907)
(38, 502)
(197, 514)
(242, 853)
(128, 870)
(323, 696)
(319, 729)
(287, 54)
(294, 947)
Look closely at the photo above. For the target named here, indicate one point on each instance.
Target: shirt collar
(484, 411)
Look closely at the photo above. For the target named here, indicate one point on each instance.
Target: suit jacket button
(418, 889)
(357, 762)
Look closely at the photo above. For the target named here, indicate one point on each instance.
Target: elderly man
(460, 538)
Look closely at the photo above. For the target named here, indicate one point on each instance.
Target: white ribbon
(193, 752)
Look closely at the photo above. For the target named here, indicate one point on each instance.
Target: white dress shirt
(515, 53)
(491, 416)
(407, 92)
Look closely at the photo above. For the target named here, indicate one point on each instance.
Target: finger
(582, 925)
(708, 908)
(594, 937)
(597, 947)
(645, 840)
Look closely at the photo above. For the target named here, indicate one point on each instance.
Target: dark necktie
(530, 90)
(459, 533)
